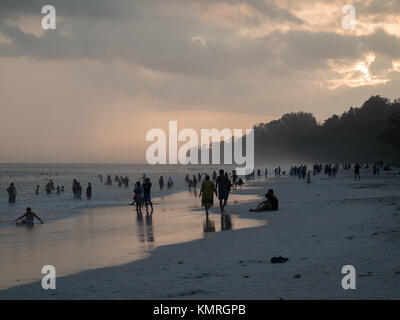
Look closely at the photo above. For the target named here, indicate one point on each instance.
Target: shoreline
(81, 210)
(105, 237)
(333, 227)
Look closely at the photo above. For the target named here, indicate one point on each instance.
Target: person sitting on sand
(271, 204)
(29, 217)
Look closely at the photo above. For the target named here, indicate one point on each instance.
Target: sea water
(51, 207)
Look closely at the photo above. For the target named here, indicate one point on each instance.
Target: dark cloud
(304, 50)
(96, 9)
(378, 7)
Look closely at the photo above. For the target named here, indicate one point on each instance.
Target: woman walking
(207, 193)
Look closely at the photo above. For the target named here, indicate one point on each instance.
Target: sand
(320, 227)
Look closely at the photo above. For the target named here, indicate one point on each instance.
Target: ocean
(52, 207)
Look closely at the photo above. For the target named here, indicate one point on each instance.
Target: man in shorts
(146, 194)
(223, 185)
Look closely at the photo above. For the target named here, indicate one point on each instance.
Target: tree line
(365, 134)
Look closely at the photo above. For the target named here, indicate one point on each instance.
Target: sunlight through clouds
(357, 75)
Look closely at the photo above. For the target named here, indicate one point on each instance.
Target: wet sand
(320, 227)
(106, 237)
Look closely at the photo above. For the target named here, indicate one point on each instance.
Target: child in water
(29, 217)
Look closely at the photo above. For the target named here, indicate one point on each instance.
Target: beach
(320, 227)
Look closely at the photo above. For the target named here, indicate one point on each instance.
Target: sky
(90, 90)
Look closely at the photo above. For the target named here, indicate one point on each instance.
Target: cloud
(133, 60)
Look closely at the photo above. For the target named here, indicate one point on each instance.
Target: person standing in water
(357, 172)
(37, 190)
(137, 197)
(29, 217)
(146, 195)
(48, 188)
(79, 191)
(89, 191)
(207, 191)
(12, 193)
(161, 182)
(223, 186)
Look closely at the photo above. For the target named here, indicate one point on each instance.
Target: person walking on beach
(223, 186)
(214, 176)
(146, 195)
(89, 191)
(357, 172)
(207, 191)
(194, 182)
(12, 193)
(170, 182)
(234, 179)
(29, 217)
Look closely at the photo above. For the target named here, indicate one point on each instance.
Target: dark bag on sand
(279, 259)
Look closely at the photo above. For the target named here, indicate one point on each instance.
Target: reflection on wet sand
(226, 222)
(108, 236)
(209, 224)
(145, 230)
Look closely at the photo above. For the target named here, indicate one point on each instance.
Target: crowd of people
(218, 185)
